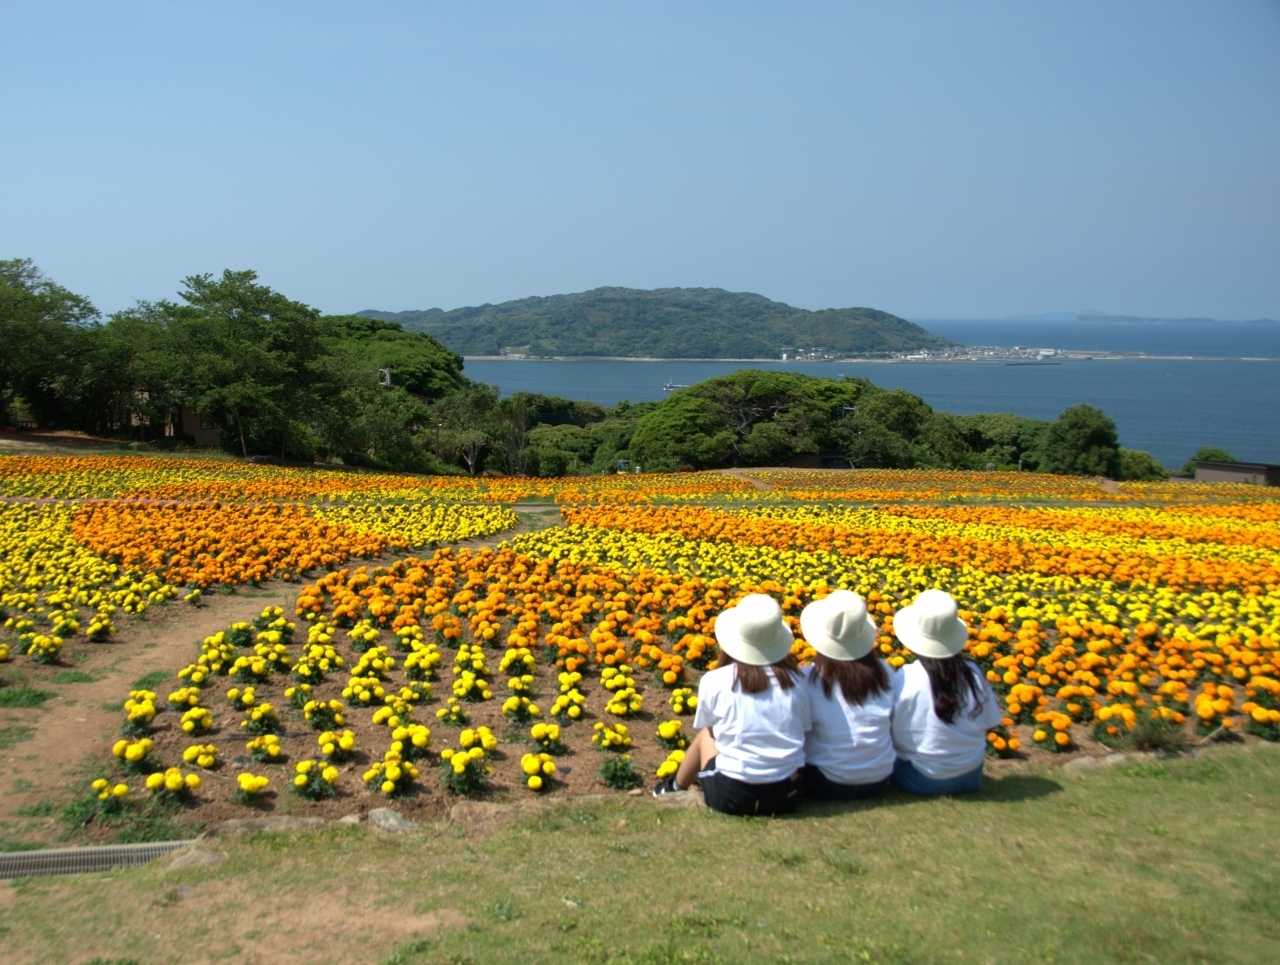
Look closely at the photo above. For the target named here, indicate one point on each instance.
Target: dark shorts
(819, 787)
(728, 795)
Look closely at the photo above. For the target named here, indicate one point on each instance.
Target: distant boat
(1032, 363)
(672, 386)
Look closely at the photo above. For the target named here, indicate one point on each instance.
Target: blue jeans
(907, 778)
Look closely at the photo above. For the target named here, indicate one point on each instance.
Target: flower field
(566, 659)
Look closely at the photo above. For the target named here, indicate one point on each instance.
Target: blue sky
(933, 160)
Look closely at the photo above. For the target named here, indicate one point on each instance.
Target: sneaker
(667, 786)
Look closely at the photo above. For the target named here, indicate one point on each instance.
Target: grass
(1161, 861)
(43, 809)
(24, 696)
(144, 818)
(15, 734)
(151, 681)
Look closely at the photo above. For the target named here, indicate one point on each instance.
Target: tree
(251, 358)
(42, 328)
(1140, 466)
(1082, 442)
(747, 418)
(1002, 438)
(512, 421)
(417, 362)
(465, 424)
(868, 444)
(1208, 454)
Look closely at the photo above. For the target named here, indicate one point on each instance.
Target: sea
(1168, 406)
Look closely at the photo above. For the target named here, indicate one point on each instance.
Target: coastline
(970, 360)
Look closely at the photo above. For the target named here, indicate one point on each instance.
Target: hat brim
(906, 627)
(829, 646)
(732, 643)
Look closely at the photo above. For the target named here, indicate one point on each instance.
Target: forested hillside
(663, 323)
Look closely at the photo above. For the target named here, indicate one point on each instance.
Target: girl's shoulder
(713, 680)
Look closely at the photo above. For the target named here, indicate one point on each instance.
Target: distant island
(668, 323)
(1135, 319)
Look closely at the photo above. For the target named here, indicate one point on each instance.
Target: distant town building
(1261, 474)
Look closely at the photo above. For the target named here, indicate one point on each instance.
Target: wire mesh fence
(74, 861)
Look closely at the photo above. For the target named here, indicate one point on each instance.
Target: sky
(935, 160)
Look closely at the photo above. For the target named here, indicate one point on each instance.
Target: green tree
(416, 362)
(465, 425)
(1002, 439)
(1140, 466)
(43, 333)
(1083, 442)
(1208, 454)
(868, 444)
(252, 358)
(747, 418)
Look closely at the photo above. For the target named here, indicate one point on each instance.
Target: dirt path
(44, 750)
(760, 484)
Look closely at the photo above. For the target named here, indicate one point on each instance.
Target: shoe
(667, 786)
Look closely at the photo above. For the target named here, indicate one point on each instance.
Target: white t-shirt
(760, 736)
(850, 745)
(937, 749)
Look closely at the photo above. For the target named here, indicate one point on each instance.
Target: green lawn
(1151, 862)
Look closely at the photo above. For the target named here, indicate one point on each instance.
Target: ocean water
(1167, 408)
(1214, 339)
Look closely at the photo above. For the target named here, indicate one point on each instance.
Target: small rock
(350, 819)
(274, 823)
(196, 858)
(691, 798)
(1116, 758)
(1080, 763)
(391, 821)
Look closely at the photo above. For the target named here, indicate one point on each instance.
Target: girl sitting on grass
(753, 712)
(849, 753)
(945, 707)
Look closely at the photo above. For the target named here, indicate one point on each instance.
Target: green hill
(663, 323)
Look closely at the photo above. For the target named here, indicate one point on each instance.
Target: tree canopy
(1208, 454)
(1082, 441)
(272, 374)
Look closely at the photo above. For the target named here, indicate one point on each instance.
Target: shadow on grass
(1012, 787)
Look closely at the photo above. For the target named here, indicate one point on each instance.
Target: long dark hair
(859, 680)
(752, 679)
(949, 678)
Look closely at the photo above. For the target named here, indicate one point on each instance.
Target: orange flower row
(205, 543)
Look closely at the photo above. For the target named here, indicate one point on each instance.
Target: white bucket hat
(930, 627)
(753, 632)
(838, 626)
